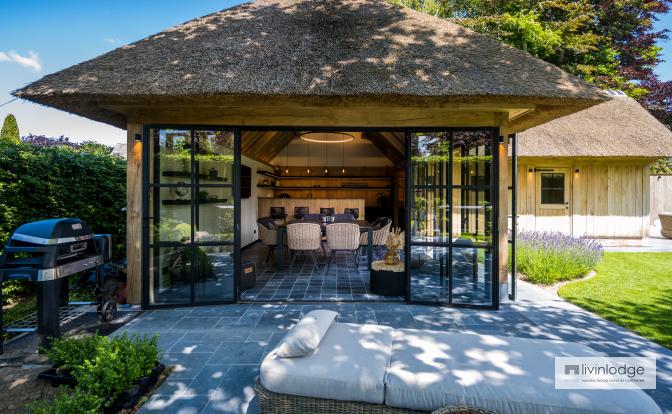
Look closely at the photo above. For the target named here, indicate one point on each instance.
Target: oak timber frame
(301, 114)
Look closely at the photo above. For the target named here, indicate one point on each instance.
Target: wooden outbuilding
(587, 174)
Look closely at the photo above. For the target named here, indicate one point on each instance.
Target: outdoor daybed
(351, 368)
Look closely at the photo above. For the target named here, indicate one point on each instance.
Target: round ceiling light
(326, 137)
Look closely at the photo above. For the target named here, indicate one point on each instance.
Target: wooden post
(503, 194)
(134, 214)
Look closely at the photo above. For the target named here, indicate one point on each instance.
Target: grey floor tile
(198, 323)
(236, 391)
(238, 353)
(186, 366)
(177, 405)
(207, 380)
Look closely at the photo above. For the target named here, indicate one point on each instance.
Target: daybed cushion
(429, 370)
(304, 338)
(348, 365)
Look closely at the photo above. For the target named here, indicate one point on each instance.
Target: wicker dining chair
(304, 238)
(381, 228)
(343, 237)
(278, 214)
(268, 236)
(353, 211)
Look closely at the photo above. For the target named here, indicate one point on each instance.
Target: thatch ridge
(328, 48)
(620, 127)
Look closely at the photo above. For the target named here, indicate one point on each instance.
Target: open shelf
(325, 177)
(187, 202)
(185, 174)
(333, 188)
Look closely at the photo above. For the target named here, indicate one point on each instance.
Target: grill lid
(53, 231)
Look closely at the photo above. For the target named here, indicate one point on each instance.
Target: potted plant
(103, 374)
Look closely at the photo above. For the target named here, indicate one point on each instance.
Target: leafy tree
(662, 167)
(10, 130)
(611, 43)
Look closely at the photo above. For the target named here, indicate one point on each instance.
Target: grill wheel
(108, 312)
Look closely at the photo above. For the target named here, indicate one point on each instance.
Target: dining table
(364, 227)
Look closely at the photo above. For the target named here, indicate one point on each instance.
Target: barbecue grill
(47, 252)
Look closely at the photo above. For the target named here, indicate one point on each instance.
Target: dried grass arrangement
(395, 242)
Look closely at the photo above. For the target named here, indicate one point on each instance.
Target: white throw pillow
(305, 337)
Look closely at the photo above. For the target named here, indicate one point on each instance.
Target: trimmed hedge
(38, 183)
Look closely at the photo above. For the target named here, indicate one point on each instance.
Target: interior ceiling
(264, 146)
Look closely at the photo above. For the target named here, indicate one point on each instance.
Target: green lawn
(633, 290)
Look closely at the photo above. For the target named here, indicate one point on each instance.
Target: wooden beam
(389, 150)
(134, 214)
(503, 203)
(283, 116)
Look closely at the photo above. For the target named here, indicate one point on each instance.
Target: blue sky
(44, 36)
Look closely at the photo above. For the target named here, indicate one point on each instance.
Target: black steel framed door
(451, 252)
(191, 215)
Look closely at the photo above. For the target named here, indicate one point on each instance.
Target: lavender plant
(549, 257)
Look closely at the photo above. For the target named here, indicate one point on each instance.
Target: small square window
(552, 188)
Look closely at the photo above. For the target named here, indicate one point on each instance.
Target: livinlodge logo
(605, 373)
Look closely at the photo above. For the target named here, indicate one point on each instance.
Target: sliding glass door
(451, 239)
(191, 215)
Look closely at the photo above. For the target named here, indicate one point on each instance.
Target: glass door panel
(169, 276)
(451, 223)
(192, 205)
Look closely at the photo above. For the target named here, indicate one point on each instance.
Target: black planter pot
(58, 378)
(125, 400)
(130, 398)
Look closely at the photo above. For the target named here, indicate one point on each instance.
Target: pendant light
(326, 162)
(343, 158)
(287, 158)
(308, 169)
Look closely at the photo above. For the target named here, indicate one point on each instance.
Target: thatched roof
(620, 127)
(312, 48)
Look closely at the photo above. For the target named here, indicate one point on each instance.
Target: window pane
(429, 274)
(472, 275)
(170, 275)
(214, 273)
(174, 156)
(214, 156)
(472, 157)
(472, 217)
(430, 174)
(552, 188)
(172, 210)
(215, 215)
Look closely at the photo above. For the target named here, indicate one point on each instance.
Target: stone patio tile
(187, 366)
(238, 353)
(207, 381)
(277, 321)
(236, 392)
(174, 404)
(199, 323)
(228, 334)
(366, 317)
(189, 346)
(403, 320)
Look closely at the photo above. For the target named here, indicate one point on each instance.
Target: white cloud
(31, 61)
(112, 40)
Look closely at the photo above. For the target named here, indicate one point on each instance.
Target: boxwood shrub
(104, 367)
